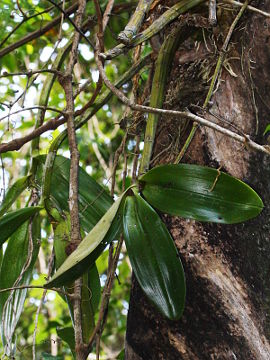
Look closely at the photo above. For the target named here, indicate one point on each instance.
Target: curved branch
(31, 108)
(16, 144)
(244, 139)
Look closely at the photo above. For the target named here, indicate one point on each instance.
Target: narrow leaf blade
(200, 193)
(154, 257)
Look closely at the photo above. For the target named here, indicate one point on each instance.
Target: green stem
(163, 63)
(135, 22)
(154, 28)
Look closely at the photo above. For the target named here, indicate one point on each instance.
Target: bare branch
(22, 22)
(183, 115)
(72, 22)
(21, 287)
(30, 73)
(16, 144)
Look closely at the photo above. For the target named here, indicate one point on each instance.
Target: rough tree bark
(227, 267)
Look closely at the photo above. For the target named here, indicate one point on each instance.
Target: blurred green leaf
(121, 355)
(17, 266)
(200, 193)
(9, 223)
(267, 129)
(93, 198)
(46, 356)
(13, 192)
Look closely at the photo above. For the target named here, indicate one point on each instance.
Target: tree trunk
(227, 266)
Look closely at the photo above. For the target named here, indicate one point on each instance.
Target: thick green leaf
(14, 261)
(13, 192)
(90, 248)
(93, 198)
(154, 257)
(10, 222)
(200, 193)
(67, 335)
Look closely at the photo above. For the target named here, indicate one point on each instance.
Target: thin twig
(22, 22)
(96, 150)
(37, 33)
(249, 7)
(32, 108)
(107, 14)
(21, 287)
(16, 144)
(72, 22)
(30, 73)
(20, 9)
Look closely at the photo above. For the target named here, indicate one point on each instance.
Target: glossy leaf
(90, 248)
(154, 257)
(13, 192)
(15, 269)
(10, 222)
(93, 198)
(200, 193)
